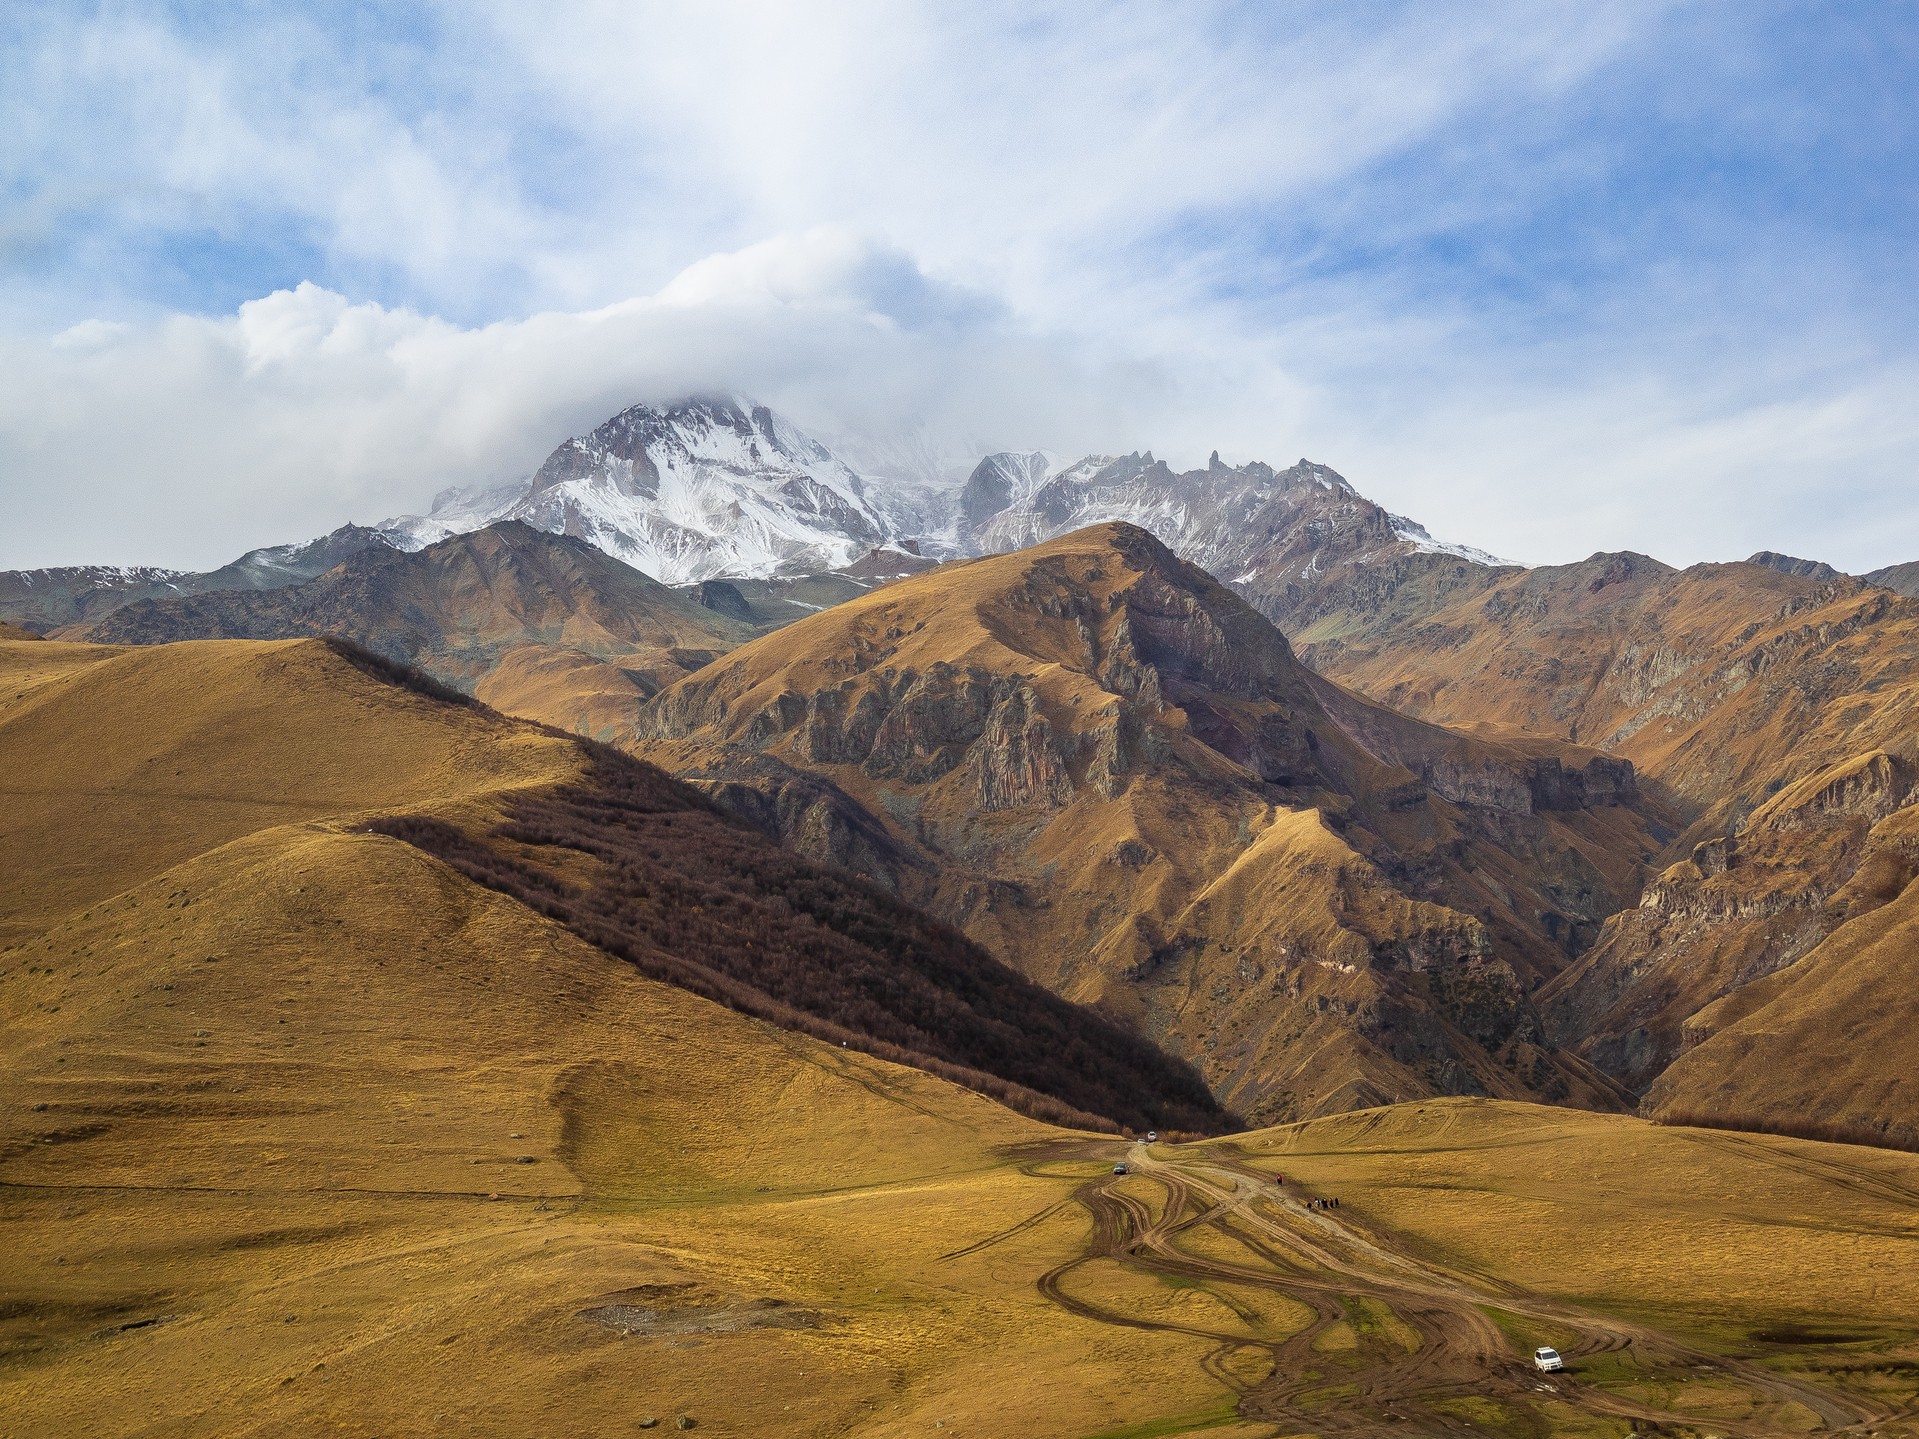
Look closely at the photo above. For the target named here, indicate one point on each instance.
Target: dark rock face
(1900, 579)
(995, 482)
(724, 598)
(1793, 565)
(1016, 763)
(807, 813)
(928, 728)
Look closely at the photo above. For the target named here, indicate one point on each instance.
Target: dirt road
(1396, 1344)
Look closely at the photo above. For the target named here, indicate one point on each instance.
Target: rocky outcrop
(1016, 762)
(809, 814)
(724, 598)
(1793, 565)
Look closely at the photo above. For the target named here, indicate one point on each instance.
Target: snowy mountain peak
(999, 480)
(713, 486)
(700, 487)
(1415, 534)
(1306, 472)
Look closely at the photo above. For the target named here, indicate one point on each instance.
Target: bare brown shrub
(1828, 1131)
(697, 900)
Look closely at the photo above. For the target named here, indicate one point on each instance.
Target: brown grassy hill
(119, 763)
(310, 1134)
(1724, 682)
(164, 750)
(14, 632)
(303, 1131)
(508, 596)
(1740, 908)
(1110, 770)
(406, 1158)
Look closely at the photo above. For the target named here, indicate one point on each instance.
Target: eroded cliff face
(1825, 1039)
(1111, 771)
(1722, 682)
(1741, 907)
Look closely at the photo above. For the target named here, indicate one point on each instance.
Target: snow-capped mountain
(696, 489)
(999, 482)
(1245, 523)
(721, 487)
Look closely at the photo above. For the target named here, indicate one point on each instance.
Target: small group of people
(1322, 1204)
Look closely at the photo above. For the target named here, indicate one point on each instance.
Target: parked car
(1119, 1169)
(1152, 1136)
(1547, 1361)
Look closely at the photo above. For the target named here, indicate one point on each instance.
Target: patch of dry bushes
(697, 900)
(1828, 1131)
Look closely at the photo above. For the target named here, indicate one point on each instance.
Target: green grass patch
(1493, 1417)
(1213, 1417)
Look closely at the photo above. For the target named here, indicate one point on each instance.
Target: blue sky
(1549, 278)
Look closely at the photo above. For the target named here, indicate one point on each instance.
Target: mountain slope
(1301, 544)
(1778, 705)
(300, 1129)
(1900, 579)
(43, 600)
(182, 748)
(1825, 1041)
(508, 598)
(1717, 680)
(1106, 767)
(49, 599)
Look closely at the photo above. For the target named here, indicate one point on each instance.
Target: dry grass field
(303, 1133)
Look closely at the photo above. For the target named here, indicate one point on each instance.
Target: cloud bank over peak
(1549, 280)
(190, 438)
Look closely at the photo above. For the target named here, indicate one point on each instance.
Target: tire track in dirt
(1376, 1386)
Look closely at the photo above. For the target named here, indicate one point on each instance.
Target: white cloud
(190, 439)
(1107, 225)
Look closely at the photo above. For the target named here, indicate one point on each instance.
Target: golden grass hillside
(1781, 710)
(118, 763)
(1698, 1228)
(303, 1132)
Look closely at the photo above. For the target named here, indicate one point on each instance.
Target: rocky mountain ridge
(1711, 695)
(1111, 771)
(44, 600)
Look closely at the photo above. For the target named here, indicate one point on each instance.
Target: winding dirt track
(1378, 1383)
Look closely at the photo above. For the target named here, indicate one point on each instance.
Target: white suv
(1547, 1361)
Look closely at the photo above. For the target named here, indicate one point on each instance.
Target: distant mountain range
(708, 488)
(1605, 833)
